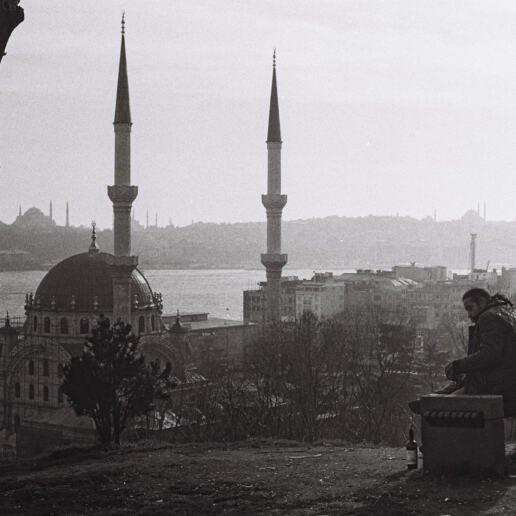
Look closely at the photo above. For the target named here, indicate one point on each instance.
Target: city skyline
(428, 133)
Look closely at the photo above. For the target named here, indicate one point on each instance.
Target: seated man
(490, 366)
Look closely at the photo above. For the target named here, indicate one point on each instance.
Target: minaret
(473, 251)
(274, 203)
(122, 194)
(50, 214)
(19, 210)
(67, 223)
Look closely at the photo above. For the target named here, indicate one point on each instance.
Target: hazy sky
(385, 107)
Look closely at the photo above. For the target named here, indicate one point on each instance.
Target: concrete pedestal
(463, 434)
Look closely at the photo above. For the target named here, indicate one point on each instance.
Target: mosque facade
(71, 298)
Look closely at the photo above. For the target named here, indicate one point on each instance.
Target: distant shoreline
(295, 267)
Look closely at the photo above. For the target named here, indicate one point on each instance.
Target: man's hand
(451, 371)
(448, 389)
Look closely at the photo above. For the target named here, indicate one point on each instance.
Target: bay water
(218, 292)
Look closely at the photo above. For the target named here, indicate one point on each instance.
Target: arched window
(31, 391)
(17, 420)
(17, 390)
(63, 325)
(60, 395)
(45, 367)
(141, 324)
(84, 326)
(35, 323)
(153, 323)
(60, 370)
(45, 393)
(46, 325)
(31, 367)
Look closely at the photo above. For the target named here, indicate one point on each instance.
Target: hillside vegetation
(330, 242)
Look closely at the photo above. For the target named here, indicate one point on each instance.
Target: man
(490, 366)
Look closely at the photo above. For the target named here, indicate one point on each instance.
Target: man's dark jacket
(490, 367)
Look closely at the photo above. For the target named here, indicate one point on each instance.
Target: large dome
(85, 276)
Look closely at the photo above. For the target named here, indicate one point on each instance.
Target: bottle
(411, 450)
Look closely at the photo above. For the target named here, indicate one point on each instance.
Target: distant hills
(331, 242)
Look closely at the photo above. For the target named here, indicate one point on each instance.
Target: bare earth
(253, 477)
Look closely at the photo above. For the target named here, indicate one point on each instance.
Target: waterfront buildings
(214, 339)
(425, 294)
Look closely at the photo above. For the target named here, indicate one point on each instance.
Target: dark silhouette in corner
(11, 15)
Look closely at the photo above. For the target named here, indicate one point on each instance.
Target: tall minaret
(50, 212)
(473, 251)
(67, 223)
(122, 194)
(274, 203)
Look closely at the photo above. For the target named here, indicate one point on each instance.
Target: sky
(386, 107)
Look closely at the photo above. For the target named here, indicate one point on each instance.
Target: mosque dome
(86, 279)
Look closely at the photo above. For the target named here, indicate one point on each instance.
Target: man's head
(475, 301)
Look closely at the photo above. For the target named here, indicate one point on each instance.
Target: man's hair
(475, 294)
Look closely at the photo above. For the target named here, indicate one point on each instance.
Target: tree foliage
(111, 382)
(348, 377)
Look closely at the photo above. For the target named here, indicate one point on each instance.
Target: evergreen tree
(110, 381)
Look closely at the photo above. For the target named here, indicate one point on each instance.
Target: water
(218, 292)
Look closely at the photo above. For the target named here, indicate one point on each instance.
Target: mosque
(82, 288)
(70, 299)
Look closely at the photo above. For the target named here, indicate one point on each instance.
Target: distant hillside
(330, 242)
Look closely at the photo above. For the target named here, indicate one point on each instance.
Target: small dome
(87, 276)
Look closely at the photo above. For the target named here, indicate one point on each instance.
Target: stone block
(463, 434)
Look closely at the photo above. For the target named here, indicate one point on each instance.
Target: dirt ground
(252, 477)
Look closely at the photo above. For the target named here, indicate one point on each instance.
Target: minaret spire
(50, 212)
(274, 202)
(67, 223)
(94, 247)
(122, 109)
(274, 132)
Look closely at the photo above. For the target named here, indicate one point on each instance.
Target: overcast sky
(385, 107)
